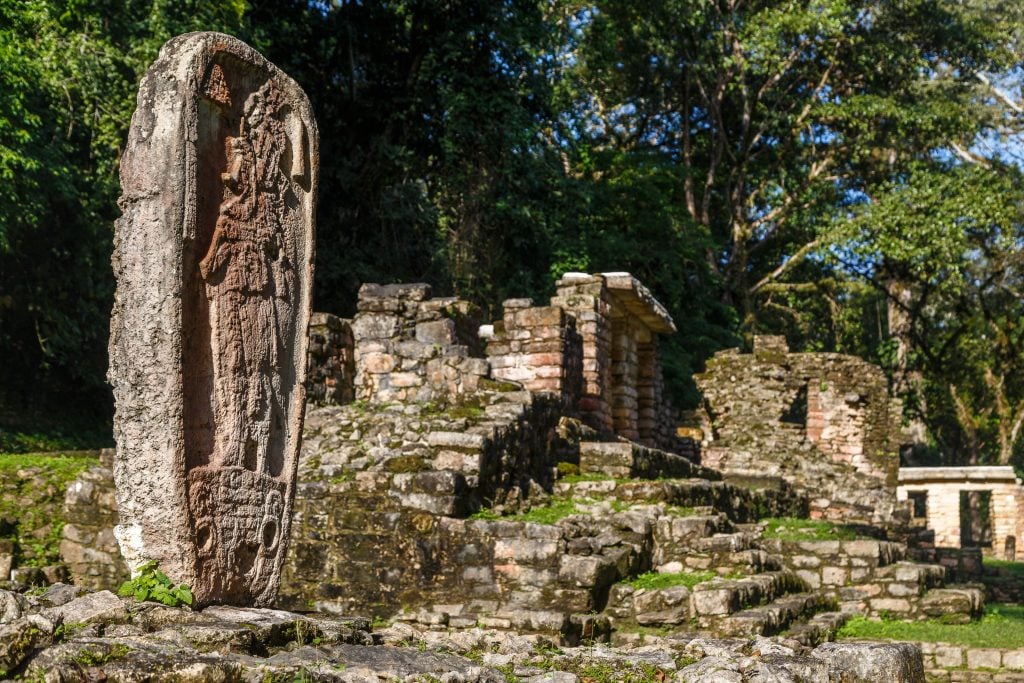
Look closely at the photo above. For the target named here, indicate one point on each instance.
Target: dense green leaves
(840, 171)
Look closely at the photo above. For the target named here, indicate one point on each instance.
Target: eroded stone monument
(214, 259)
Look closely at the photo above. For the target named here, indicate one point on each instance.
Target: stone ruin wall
(330, 361)
(592, 350)
(594, 346)
(825, 422)
(942, 487)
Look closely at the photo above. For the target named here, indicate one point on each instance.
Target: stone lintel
(639, 301)
(978, 473)
(413, 291)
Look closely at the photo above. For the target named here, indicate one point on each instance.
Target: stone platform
(67, 635)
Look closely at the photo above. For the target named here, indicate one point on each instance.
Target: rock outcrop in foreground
(67, 635)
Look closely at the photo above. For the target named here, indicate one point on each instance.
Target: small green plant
(656, 581)
(67, 630)
(153, 585)
(90, 657)
(1002, 626)
(567, 469)
(794, 529)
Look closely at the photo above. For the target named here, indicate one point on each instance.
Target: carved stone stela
(213, 255)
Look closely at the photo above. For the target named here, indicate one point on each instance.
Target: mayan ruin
(463, 342)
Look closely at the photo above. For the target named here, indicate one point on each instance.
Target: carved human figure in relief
(248, 279)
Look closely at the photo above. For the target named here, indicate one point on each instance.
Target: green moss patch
(793, 529)
(580, 478)
(655, 581)
(32, 487)
(1002, 626)
(1006, 568)
(548, 514)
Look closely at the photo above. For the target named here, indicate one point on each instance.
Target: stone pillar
(944, 514)
(1003, 514)
(586, 299)
(539, 348)
(624, 377)
(213, 256)
(648, 391)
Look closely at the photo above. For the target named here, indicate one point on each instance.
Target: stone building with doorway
(823, 422)
(978, 506)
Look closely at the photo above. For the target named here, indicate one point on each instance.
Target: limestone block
(949, 603)
(526, 550)
(437, 332)
(214, 256)
(713, 602)
(948, 656)
(861, 548)
(810, 577)
(899, 605)
(12, 606)
(984, 659)
(102, 607)
(873, 662)
(589, 570)
(666, 606)
(834, 576)
(6, 559)
(19, 638)
(1013, 660)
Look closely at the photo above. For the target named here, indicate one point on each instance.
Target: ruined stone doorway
(919, 504)
(975, 519)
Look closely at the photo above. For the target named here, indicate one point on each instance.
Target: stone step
(751, 561)
(820, 628)
(712, 601)
(775, 617)
(863, 553)
(924, 575)
(727, 543)
(625, 459)
(953, 604)
(737, 504)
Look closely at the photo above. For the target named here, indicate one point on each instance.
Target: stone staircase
(388, 521)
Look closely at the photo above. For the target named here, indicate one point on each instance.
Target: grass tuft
(1002, 626)
(655, 581)
(794, 529)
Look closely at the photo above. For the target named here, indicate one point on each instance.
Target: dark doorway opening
(919, 504)
(976, 519)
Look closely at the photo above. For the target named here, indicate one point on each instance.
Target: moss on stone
(32, 488)
(656, 581)
(792, 529)
(405, 464)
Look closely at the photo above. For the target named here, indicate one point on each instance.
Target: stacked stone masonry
(938, 496)
(88, 545)
(409, 347)
(331, 363)
(523, 478)
(824, 422)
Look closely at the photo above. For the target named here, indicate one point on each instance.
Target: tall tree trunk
(907, 381)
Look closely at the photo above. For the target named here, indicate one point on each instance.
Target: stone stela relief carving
(213, 255)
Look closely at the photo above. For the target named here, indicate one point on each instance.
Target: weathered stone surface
(874, 662)
(214, 257)
(772, 413)
(18, 638)
(101, 607)
(12, 606)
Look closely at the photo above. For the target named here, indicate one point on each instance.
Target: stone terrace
(525, 477)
